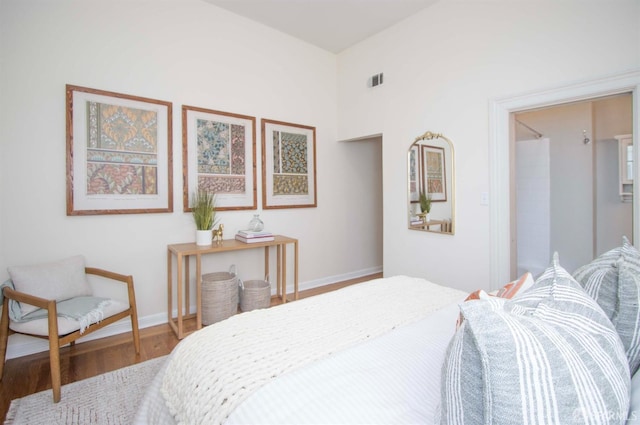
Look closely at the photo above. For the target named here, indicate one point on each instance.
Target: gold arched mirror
(431, 179)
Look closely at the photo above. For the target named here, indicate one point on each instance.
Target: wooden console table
(183, 251)
(428, 224)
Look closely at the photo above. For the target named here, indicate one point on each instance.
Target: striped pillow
(613, 280)
(548, 356)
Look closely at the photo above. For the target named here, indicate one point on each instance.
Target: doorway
(567, 179)
(501, 130)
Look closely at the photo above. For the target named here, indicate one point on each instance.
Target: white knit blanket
(213, 370)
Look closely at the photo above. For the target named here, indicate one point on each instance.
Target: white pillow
(58, 281)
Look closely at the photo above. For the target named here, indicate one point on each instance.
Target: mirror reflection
(431, 184)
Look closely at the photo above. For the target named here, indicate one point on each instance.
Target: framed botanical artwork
(288, 165)
(219, 157)
(433, 173)
(119, 157)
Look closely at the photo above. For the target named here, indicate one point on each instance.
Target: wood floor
(30, 374)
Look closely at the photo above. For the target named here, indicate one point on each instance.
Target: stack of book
(247, 236)
(415, 221)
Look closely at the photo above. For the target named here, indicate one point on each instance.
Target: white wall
(442, 67)
(187, 52)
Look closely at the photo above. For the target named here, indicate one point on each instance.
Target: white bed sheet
(394, 378)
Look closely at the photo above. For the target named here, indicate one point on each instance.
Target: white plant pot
(203, 237)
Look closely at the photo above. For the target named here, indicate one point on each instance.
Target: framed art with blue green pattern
(219, 157)
(119, 158)
(288, 165)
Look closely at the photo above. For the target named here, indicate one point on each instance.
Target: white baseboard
(338, 278)
(22, 345)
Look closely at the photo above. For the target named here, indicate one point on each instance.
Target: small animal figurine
(217, 234)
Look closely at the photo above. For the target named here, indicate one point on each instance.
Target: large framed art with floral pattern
(288, 165)
(219, 157)
(119, 158)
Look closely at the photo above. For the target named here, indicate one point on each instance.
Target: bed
(404, 350)
(403, 327)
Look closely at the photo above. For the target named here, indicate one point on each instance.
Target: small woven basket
(255, 294)
(219, 296)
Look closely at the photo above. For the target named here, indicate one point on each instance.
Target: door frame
(501, 131)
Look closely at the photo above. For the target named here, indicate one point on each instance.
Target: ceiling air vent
(376, 80)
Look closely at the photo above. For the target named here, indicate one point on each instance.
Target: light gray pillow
(58, 280)
(549, 355)
(613, 280)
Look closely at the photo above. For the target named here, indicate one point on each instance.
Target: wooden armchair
(61, 331)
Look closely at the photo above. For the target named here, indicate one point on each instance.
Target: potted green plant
(203, 210)
(425, 204)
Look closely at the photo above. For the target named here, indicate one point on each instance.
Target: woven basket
(255, 294)
(219, 296)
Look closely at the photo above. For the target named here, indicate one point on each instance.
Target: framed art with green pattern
(119, 158)
(288, 165)
(219, 157)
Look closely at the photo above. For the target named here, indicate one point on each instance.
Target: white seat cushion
(65, 326)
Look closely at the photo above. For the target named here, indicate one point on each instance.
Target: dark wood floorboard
(30, 374)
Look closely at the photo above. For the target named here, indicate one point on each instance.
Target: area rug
(111, 398)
